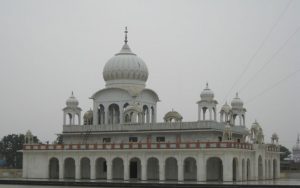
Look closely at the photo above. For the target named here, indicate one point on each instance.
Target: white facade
(120, 137)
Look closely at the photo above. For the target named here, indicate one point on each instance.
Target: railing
(197, 125)
(273, 148)
(118, 146)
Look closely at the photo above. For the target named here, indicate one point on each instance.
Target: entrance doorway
(133, 169)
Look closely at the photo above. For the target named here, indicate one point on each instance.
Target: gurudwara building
(120, 138)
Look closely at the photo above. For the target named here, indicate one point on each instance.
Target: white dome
(125, 66)
(207, 94)
(72, 101)
(237, 102)
(226, 108)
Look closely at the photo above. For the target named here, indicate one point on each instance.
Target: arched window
(101, 115)
(113, 114)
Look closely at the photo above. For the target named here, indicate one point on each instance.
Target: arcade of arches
(115, 114)
(170, 168)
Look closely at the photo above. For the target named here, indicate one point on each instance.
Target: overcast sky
(50, 48)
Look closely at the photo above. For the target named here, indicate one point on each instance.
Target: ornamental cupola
(126, 70)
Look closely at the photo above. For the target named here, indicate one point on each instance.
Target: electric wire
(258, 49)
(270, 59)
(273, 86)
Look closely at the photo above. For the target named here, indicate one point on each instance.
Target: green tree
(10, 147)
(285, 152)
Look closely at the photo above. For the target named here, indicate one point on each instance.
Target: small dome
(72, 101)
(172, 115)
(88, 115)
(28, 133)
(226, 108)
(207, 94)
(237, 102)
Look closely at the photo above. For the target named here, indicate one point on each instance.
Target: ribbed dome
(125, 65)
(207, 94)
(72, 101)
(172, 115)
(226, 108)
(237, 102)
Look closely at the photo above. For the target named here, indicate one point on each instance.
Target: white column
(201, 169)
(210, 114)
(121, 113)
(109, 169)
(180, 170)
(162, 170)
(95, 114)
(64, 120)
(144, 169)
(126, 169)
(61, 169)
(227, 168)
(240, 170)
(77, 169)
(199, 113)
(93, 169)
(106, 114)
(240, 117)
(277, 168)
(215, 114)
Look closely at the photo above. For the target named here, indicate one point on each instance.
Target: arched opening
(214, 169)
(235, 169)
(152, 169)
(214, 114)
(152, 114)
(205, 113)
(190, 169)
(69, 119)
(53, 168)
(243, 170)
(135, 168)
(243, 120)
(146, 114)
(171, 169)
(113, 114)
(101, 115)
(274, 168)
(248, 169)
(222, 116)
(117, 169)
(69, 168)
(101, 168)
(76, 119)
(260, 168)
(85, 168)
(235, 119)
